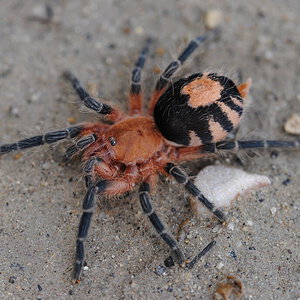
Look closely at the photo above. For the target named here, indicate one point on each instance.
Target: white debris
(231, 226)
(292, 125)
(85, 268)
(273, 210)
(213, 18)
(249, 223)
(221, 184)
(216, 229)
(220, 265)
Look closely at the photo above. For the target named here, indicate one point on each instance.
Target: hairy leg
(181, 177)
(145, 200)
(79, 146)
(136, 95)
(248, 145)
(107, 187)
(174, 66)
(148, 209)
(48, 138)
(101, 108)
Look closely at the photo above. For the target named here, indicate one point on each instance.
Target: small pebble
(160, 51)
(249, 223)
(215, 229)
(252, 248)
(34, 97)
(71, 120)
(46, 166)
(85, 268)
(12, 279)
(169, 262)
(238, 244)
(17, 156)
(213, 18)
(292, 125)
(14, 111)
(274, 154)
(287, 181)
(39, 288)
(231, 226)
(232, 254)
(16, 266)
(273, 210)
(42, 13)
(220, 265)
(160, 270)
(139, 30)
(108, 61)
(156, 70)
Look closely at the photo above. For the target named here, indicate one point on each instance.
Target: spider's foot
(192, 263)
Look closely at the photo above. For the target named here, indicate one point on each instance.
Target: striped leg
(113, 187)
(252, 144)
(79, 146)
(136, 97)
(85, 221)
(157, 223)
(203, 252)
(181, 177)
(166, 76)
(89, 102)
(48, 138)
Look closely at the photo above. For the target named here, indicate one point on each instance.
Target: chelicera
(185, 120)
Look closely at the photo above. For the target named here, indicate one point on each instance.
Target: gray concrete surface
(41, 199)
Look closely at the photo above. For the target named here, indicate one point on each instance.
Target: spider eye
(112, 141)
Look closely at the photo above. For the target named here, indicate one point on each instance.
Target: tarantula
(185, 120)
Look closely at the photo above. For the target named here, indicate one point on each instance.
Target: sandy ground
(40, 202)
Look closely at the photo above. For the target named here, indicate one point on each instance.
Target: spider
(186, 120)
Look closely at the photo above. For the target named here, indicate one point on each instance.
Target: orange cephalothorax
(134, 140)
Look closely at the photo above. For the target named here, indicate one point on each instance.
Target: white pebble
(292, 125)
(220, 265)
(273, 210)
(14, 111)
(39, 11)
(85, 268)
(213, 18)
(139, 30)
(215, 229)
(231, 226)
(239, 244)
(221, 184)
(35, 97)
(249, 223)
(46, 166)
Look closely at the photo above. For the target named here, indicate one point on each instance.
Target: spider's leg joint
(182, 178)
(80, 145)
(179, 175)
(157, 223)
